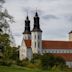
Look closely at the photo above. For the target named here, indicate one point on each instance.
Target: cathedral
(32, 43)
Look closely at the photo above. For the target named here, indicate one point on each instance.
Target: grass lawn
(22, 69)
(18, 69)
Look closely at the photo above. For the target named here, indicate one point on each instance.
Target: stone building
(32, 43)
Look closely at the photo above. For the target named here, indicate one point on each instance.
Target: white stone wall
(27, 36)
(29, 53)
(23, 51)
(57, 50)
(69, 64)
(37, 42)
(70, 37)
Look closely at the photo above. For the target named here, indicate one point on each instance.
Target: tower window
(38, 45)
(35, 44)
(39, 37)
(35, 36)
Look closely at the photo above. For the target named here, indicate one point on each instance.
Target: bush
(6, 63)
(24, 62)
(48, 61)
(31, 65)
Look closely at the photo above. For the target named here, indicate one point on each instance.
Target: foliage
(35, 58)
(30, 65)
(15, 55)
(5, 17)
(6, 50)
(48, 61)
(24, 62)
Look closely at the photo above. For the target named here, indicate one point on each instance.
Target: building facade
(32, 43)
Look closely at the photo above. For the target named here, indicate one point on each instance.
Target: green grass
(22, 69)
(17, 69)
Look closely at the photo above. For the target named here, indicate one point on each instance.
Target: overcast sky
(55, 17)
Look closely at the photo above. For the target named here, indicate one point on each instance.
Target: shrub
(6, 62)
(49, 60)
(31, 65)
(24, 62)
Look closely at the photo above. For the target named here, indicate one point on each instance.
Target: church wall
(27, 36)
(29, 53)
(69, 64)
(23, 51)
(57, 50)
(37, 42)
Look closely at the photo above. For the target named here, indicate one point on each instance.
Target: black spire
(36, 23)
(70, 32)
(27, 26)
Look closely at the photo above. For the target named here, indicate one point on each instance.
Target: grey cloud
(48, 17)
(41, 0)
(69, 18)
(17, 34)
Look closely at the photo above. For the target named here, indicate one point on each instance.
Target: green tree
(15, 55)
(5, 49)
(5, 18)
(49, 60)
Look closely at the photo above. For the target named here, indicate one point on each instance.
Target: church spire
(27, 26)
(36, 23)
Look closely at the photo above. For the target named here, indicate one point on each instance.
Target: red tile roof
(57, 44)
(52, 44)
(28, 43)
(65, 56)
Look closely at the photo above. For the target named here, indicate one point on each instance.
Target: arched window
(35, 36)
(38, 37)
(35, 44)
(38, 45)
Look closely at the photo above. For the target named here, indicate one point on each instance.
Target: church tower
(25, 52)
(27, 32)
(36, 36)
(70, 36)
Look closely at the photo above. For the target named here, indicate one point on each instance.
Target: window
(56, 51)
(29, 37)
(52, 51)
(38, 36)
(38, 44)
(63, 51)
(48, 51)
(35, 44)
(35, 36)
